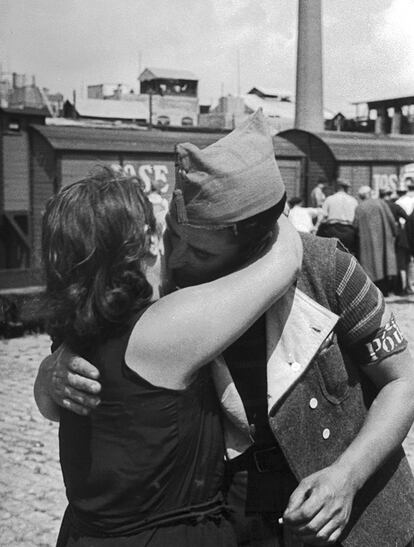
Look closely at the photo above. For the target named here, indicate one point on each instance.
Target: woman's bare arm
(186, 329)
(67, 380)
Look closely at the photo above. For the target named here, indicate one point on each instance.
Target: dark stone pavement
(32, 496)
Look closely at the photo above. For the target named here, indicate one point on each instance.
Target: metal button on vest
(313, 403)
(296, 366)
(326, 433)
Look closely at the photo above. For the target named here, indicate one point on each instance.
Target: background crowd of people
(377, 230)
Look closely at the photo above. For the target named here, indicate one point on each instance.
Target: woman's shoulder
(101, 349)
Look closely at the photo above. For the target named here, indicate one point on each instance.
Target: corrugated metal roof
(113, 109)
(275, 108)
(270, 91)
(368, 146)
(120, 140)
(271, 107)
(388, 103)
(72, 138)
(151, 73)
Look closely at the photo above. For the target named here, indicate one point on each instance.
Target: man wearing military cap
(318, 395)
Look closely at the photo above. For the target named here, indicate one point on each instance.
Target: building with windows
(173, 96)
(278, 106)
(166, 97)
(385, 116)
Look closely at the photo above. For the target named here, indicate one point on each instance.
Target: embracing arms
(195, 324)
(187, 328)
(66, 380)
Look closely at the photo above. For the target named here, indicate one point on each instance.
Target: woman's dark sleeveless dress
(146, 468)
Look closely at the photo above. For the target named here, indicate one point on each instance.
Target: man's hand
(319, 508)
(72, 381)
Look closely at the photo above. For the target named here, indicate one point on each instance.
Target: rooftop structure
(17, 93)
(166, 74)
(109, 91)
(393, 115)
(278, 106)
(163, 81)
(271, 93)
(387, 103)
(109, 110)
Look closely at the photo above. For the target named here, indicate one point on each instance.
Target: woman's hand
(319, 508)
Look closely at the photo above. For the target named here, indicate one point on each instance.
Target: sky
(368, 45)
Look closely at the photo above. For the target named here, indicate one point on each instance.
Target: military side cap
(233, 179)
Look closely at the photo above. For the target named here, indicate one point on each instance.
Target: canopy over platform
(387, 103)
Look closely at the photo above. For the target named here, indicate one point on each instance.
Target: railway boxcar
(361, 158)
(15, 237)
(58, 154)
(63, 154)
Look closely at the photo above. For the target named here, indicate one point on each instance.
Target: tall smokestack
(309, 89)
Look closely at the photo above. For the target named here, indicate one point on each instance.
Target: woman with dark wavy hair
(96, 235)
(146, 467)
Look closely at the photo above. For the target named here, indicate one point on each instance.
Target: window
(163, 120)
(187, 121)
(14, 125)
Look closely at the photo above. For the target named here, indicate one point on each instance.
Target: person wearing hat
(338, 215)
(407, 200)
(376, 232)
(402, 247)
(147, 467)
(315, 402)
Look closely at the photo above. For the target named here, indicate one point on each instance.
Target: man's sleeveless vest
(323, 412)
(318, 401)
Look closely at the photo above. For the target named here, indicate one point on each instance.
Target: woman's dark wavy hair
(96, 233)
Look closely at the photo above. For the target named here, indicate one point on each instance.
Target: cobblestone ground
(32, 496)
(403, 308)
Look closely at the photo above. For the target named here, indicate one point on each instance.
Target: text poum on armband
(388, 340)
